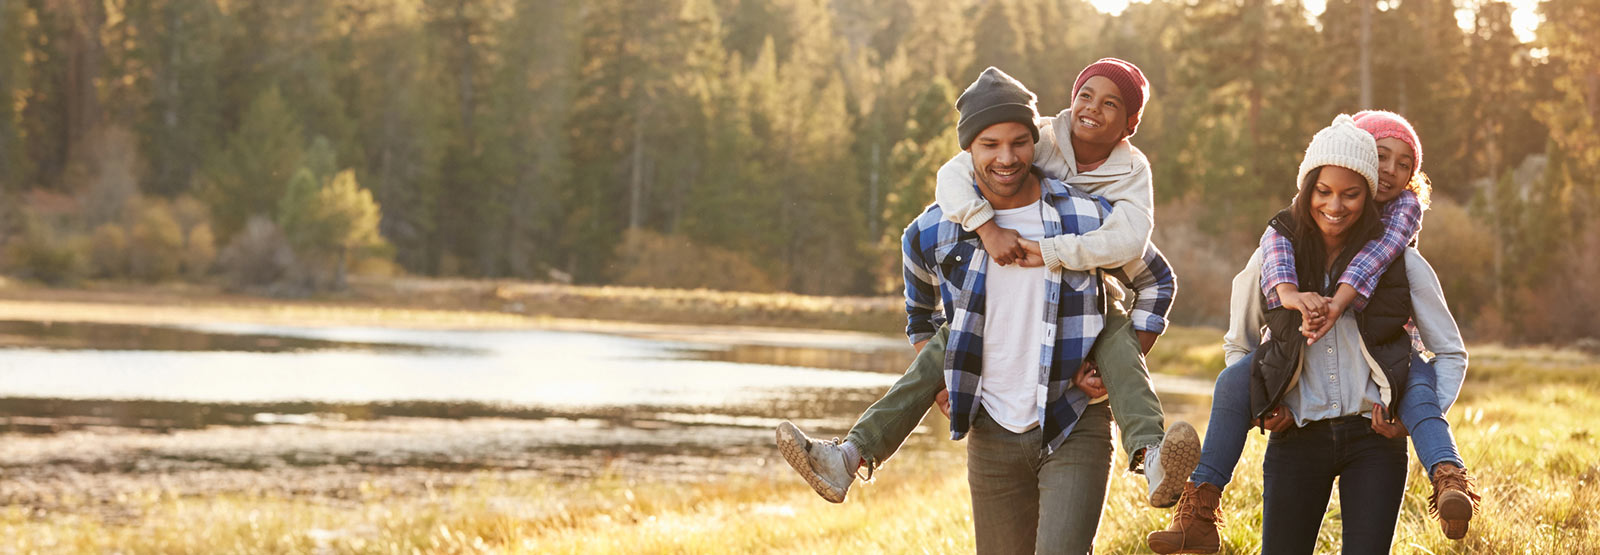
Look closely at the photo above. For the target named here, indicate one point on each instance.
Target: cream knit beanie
(1345, 145)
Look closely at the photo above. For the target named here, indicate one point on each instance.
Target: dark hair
(1311, 257)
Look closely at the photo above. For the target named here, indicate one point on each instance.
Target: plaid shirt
(1402, 219)
(946, 266)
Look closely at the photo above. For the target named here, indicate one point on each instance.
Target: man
(1039, 451)
(1087, 146)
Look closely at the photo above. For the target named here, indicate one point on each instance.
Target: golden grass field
(1527, 424)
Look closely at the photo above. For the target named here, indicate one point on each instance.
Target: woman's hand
(1382, 425)
(942, 400)
(1003, 245)
(1088, 379)
(1278, 420)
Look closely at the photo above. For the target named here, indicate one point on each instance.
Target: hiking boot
(821, 463)
(1194, 523)
(1453, 500)
(1168, 465)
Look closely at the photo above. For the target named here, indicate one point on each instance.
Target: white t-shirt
(1013, 330)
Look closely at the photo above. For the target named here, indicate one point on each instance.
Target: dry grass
(1533, 450)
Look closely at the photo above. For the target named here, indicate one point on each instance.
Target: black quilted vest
(1382, 324)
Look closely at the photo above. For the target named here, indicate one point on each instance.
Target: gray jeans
(1026, 502)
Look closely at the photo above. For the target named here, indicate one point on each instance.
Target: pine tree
(173, 67)
(250, 174)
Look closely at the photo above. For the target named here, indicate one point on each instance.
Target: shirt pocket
(1077, 281)
(955, 259)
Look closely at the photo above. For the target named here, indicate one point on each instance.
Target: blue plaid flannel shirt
(945, 266)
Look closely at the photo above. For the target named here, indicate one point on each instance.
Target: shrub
(155, 243)
(108, 257)
(42, 255)
(647, 258)
(258, 256)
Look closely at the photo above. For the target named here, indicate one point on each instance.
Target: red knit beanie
(1384, 125)
(1127, 77)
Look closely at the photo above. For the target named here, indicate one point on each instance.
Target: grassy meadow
(1527, 423)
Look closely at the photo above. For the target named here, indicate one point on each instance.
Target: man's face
(1099, 114)
(1002, 156)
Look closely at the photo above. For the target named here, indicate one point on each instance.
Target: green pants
(887, 423)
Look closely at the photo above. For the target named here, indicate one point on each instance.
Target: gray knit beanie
(1345, 145)
(994, 98)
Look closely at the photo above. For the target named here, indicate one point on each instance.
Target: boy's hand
(1382, 425)
(1003, 245)
(1088, 379)
(1034, 258)
(942, 400)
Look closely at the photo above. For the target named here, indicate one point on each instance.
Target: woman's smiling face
(1337, 200)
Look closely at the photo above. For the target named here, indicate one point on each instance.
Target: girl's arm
(1402, 219)
(1277, 267)
(1438, 328)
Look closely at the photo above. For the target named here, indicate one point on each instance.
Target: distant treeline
(753, 144)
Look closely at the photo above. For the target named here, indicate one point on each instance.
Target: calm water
(560, 371)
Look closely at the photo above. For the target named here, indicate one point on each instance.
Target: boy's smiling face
(1099, 114)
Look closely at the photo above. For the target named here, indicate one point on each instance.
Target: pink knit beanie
(1383, 125)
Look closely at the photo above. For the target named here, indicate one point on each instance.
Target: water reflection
(74, 375)
(75, 336)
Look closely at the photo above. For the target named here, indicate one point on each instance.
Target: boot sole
(1180, 454)
(1165, 549)
(1455, 514)
(792, 445)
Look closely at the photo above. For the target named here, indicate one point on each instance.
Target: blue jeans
(1300, 467)
(1421, 414)
(1228, 428)
(1230, 422)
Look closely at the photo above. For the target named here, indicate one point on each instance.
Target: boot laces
(1452, 478)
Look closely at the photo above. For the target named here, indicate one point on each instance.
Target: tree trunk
(636, 177)
(1366, 54)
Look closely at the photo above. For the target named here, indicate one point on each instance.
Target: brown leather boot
(1194, 523)
(1453, 500)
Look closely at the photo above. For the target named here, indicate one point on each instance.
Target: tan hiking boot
(1453, 500)
(821, 463)
(1194, 523)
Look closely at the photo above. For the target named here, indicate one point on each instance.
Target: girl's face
(1099, 115)
(1396, 164)
(1337, 200)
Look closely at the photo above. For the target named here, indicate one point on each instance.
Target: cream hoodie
(1124, 180)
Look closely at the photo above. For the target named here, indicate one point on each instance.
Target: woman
(1351, 369)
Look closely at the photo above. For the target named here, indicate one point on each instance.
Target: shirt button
(1330, 349)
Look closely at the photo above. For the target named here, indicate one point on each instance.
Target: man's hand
(1382, 425)
(1278, 420)
(942, 400)
(1004, 245)
(1088, 379)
